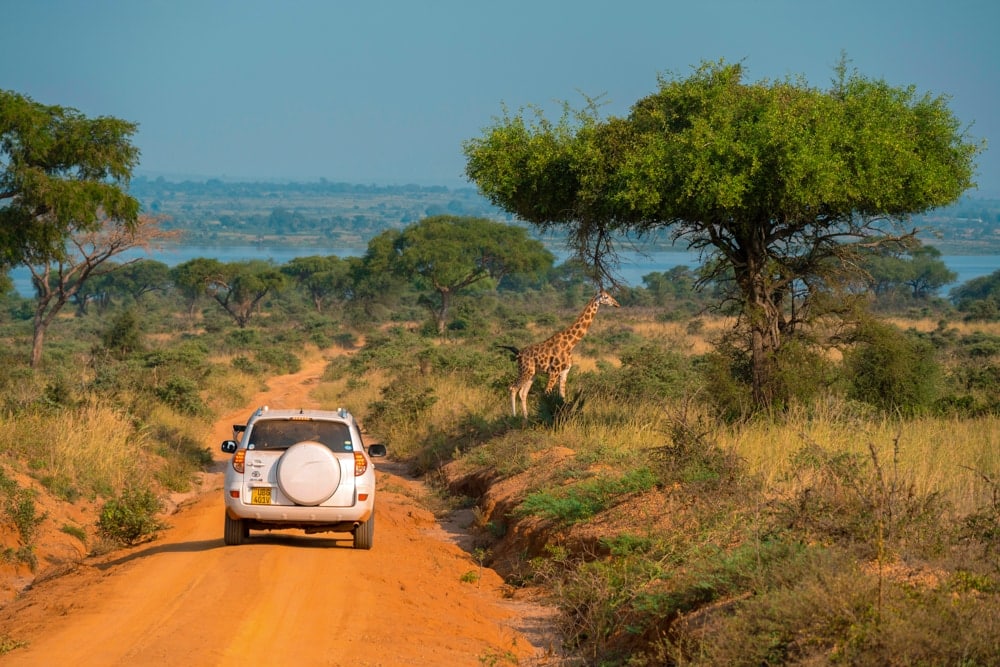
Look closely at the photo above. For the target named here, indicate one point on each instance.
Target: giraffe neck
(574, 332)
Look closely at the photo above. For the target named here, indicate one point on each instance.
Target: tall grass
(90, 450)
(946, 455)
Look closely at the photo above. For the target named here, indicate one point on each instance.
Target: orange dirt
(282, 598)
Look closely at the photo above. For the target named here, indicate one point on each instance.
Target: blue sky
(386, 91)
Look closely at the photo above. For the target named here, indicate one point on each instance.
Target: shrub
(245, 365)
(279, 359)
(402, 401)
(726, 377)
(19, 506)
(131, 516)
(861, 502)
(182, 394)
(891, 370)
(123, 335)
(692, 456)
(649, 371)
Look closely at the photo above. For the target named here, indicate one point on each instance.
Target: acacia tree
(778, 184)
(64, 209)
(448, 254)
(86, 256)
(919, 268)
(323, 278)
(190, 278)
(138, 278)
(239, 287)
(132, 279)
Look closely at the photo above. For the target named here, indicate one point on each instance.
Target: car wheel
(364, 534)
(308, 473)
(235, 531)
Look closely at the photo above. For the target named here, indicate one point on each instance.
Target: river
(634, 264)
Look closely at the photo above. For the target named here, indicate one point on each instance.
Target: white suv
(304, 469)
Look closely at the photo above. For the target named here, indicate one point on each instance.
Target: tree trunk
(764, 317)
(441, 315)
(761, 361)
(37, 340)
(46, 309)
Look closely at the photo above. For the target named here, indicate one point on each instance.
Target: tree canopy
(322, 277)
(60, 173)
(238, 287)
(448, 254)
(779, 184)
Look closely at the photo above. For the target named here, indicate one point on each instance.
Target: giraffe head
(605, 299)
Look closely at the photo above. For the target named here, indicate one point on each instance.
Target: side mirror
(229, 446)
(376, 450)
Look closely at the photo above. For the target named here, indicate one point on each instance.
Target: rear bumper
(297, 516)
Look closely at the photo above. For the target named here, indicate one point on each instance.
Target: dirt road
(284, 598)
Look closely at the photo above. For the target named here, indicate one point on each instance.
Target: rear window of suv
(283, 433)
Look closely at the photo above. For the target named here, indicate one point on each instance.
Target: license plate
(260, 495)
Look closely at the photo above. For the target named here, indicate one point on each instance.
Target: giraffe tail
(510, 348)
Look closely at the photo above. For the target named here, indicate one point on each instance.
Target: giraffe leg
(520, 389)
(522, 393)
(562, 382)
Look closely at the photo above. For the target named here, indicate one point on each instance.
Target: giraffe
(553, 355)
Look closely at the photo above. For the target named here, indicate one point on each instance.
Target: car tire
(308, 473)
(364, 533)
(235, 531)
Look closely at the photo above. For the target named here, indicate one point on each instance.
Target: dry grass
(355, 396)
(928, 324)
(92, 449)
(700, 342)
(947, 456)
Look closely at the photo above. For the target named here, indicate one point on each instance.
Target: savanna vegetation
(830, 496)
(669, 520)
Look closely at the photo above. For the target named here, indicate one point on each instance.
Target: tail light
(360, 464)
(238, 458)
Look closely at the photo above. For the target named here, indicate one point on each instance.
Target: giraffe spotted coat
(553, 355)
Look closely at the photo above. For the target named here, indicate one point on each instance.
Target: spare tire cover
(308, 473)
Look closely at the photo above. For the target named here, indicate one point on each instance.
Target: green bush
(891, 370)
(130, 517)
(246, 365)
(279, 359)
(19, 506)
(182, 394)
(652, 372)
(123, 336)
(725, 375)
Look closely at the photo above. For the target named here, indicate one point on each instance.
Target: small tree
(86, 255)
(191, 277)
(914, 266)
(239, 287)
(449, 254)
(123, 336)
(138, 278)
(323, 278)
